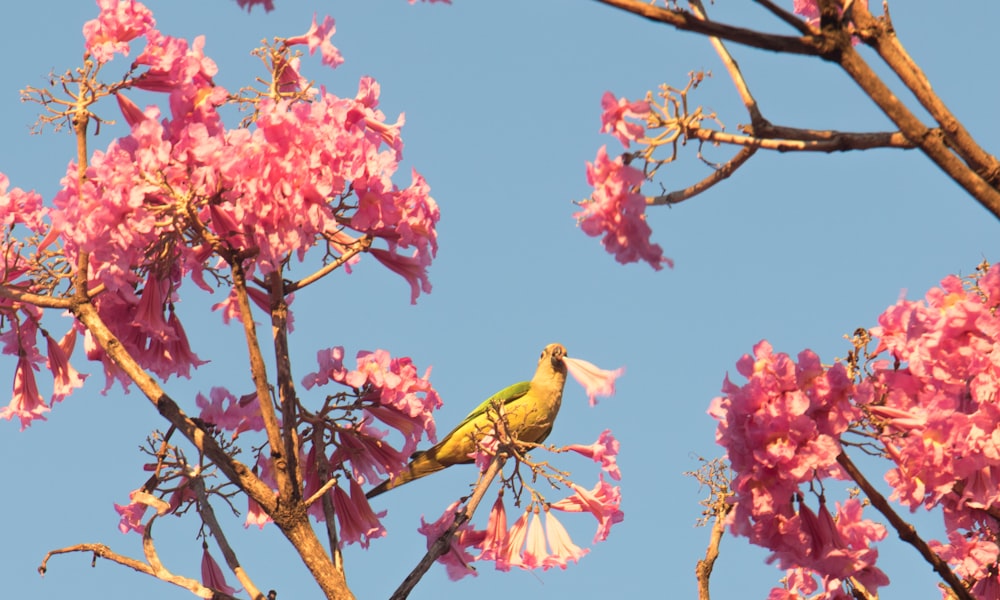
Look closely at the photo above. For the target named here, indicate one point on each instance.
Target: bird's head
(554, 354)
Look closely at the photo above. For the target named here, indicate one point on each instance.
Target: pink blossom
(613, 118)
(510, 554)
(358, 522)
(495, 539)
(780, 429)
(131, 513)
(18, 206)
(562, 547)
(604, 451)
(363, 448)
(132, 113)
(597, 381)
(66, 378)
(226, 412)
(211, 574)
(26, 403)
(118, 23)
(603, 502)
(255, 515)
(412, 268)
(319, 36)
(535, 553)
(458, 558)
(617, 211)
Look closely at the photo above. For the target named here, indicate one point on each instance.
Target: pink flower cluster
(383, 388)
(928, 394)
(616, 110)
(182, 194)
(118, 24)
(392, 392)
(617, 211)
(934, 402)
(526, 544)
(781, 430)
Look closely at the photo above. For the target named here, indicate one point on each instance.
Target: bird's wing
(506, 396)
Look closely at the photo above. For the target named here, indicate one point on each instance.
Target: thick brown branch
(905, 531)
(294, 524)
(688, 22)
(287, 398)
(17, 295)
(258, 371)
(880, 36)
(703, 570)
(235, 471)
(931, 141)
(804, 140)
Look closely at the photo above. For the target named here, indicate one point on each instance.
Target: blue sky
(502, 104)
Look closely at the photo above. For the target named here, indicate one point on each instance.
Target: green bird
(530, 408)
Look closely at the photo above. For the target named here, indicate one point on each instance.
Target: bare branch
(703, 570)
(102, 551)
(688, 22)
(931, 141)
(905, 531)
(733, 68)
(717, 175)
(442, 545)
(361, 245)
(879, 34)
(287, 398)
(208, 517)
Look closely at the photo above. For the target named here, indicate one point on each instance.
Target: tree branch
(931, 141)
(688, 22)
(703, 570)
(102, 551)
(717, 175)
(287, 399)
(293, 524)
(879, 34)
(442, 545)
(905, 531)
(208, 517)
(285, 480)
(733, 68)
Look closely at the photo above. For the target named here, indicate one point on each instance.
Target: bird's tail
(421, 464)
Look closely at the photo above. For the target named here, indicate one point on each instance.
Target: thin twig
(103, 551)
(717, 175)
(360, 245)
(329, 513)
(208, 517)
(733, 68)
